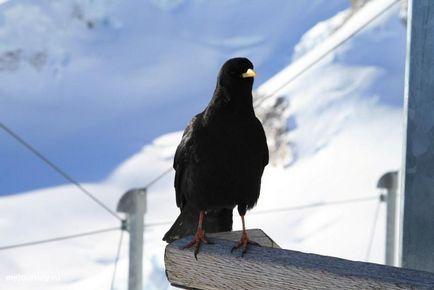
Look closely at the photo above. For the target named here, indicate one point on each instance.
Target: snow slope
(88, 82)
(346, 116)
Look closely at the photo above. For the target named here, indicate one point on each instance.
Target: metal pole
(133, 203)
(418, 166)
(389, 182)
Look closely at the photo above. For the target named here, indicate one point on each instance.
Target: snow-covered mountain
(88, 82)
(344, 121)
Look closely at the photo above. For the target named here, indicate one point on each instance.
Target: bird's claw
(198, 238)
(244, 241)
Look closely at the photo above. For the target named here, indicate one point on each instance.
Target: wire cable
(163, 223)
(374, 227)
(260, 100)
(152, 182)
(118, 252)
(8, 247)
(316, 204)
(286, 209)
(58, 169)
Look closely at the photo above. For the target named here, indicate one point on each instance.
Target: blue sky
(142, 70)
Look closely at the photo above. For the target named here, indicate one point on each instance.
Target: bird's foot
(244, 242)
(198, 238)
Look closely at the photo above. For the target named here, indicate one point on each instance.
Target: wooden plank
(273, 268)
(256, 235)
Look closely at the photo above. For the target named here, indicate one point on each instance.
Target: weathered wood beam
(256, 235)
(273, 268)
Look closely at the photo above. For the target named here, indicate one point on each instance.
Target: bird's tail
(218, 220)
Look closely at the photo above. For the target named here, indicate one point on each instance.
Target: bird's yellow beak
(249, 74)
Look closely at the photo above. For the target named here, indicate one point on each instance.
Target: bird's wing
(264, 142)
(181, 158)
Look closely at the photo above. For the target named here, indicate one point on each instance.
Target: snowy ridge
(109, 68)
(365, 15)
(345, 133)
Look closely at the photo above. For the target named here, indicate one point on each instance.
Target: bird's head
(236, 78)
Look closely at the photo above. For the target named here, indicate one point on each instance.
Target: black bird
(220, 160)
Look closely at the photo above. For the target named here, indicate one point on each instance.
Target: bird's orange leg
(244, 240)
(199, 237)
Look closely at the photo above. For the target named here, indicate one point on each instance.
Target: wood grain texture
(256, 235)
(273, 268)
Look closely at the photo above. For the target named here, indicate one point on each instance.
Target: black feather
(221, 157)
